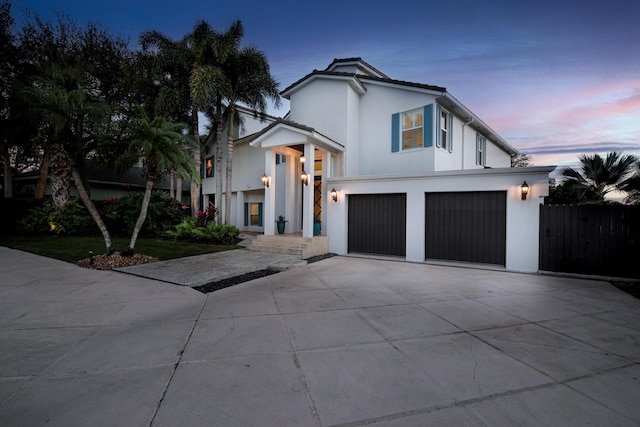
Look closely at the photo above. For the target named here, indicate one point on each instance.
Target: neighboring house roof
(133, 177)
(359, 81)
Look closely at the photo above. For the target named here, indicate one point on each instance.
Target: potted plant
(316, 225)
(280, 222)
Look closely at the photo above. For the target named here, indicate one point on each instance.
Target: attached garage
(466, 226)
(377, 224)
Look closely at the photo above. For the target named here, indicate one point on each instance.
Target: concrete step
(298, 252)
(291, 244)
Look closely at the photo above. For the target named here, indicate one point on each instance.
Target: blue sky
(555, 78)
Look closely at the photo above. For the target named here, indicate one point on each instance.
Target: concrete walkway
(344, 341)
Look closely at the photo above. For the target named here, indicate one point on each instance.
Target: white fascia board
(353, 81)
(534, 170)
(409, 87)
(457, 107)
(283, 135)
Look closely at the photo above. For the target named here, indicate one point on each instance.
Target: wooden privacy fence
(596, 240)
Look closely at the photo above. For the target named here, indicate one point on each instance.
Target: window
(481, 150)
(208, 167)
(445, 133)
(253, 214)
(280, 158)
(412, 129)
(412, 132)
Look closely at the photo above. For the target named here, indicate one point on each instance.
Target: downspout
(473, 119)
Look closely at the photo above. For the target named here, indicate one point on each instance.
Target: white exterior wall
(323, 105)
(496, 157)
(522, 215)
(376, 108)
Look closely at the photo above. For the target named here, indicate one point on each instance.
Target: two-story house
(390, 168)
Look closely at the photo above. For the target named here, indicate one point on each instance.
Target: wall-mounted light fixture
(524, 190)
(266, 180)
(302, 159)
(334, 194)
(304, 177)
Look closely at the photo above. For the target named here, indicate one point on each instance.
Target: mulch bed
(109, 262)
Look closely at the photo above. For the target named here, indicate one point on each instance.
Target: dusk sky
(555, 78)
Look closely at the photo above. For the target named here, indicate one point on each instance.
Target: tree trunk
(227, 193)
(172, 184)
(179, 188)
(44, 174)
(141, 218)
(8, 178)
(60, 163)
(195, 153)
(218, 155)
(84, 196)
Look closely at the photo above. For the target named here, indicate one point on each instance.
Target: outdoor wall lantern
(304, 177)
(524, 190)
(266, 180)
(334, 194)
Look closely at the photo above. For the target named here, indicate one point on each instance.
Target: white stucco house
(393, 168)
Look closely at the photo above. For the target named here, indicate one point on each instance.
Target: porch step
(291, 244)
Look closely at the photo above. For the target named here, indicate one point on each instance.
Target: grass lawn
(72, 249)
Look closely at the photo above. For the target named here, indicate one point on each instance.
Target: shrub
(72, 219)
(211, 233)
(163, 213)
(206, 216)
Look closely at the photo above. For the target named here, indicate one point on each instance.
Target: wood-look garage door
(378, 224)
(466, 226)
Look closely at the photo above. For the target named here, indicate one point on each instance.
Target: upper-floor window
(445, 131)
(412, 132)
(412, 129)
(208, 167)
(481, 150)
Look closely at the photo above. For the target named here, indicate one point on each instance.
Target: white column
(269, 219)
(307, 192)
(239, 210)
(326, 196)
(290, 181)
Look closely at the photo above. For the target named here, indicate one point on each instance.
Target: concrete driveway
(344, 341)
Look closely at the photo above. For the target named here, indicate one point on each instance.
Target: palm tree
(69, 114)
(631, 185)
(249, 82)
(597, 177)
(163, 146)
(207, 83)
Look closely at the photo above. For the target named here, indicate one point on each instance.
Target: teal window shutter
(259, 214)
(450, 133)
(427, 140)
(246, 214)
(438, 118)
(395, 132)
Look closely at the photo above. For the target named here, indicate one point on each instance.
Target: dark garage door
(466, 226)
(378, 224)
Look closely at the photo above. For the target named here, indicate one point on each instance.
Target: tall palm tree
(69, 113)
(598, 177)
(208, 83)
(174, 61)
(162, 146)
(248, 82)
